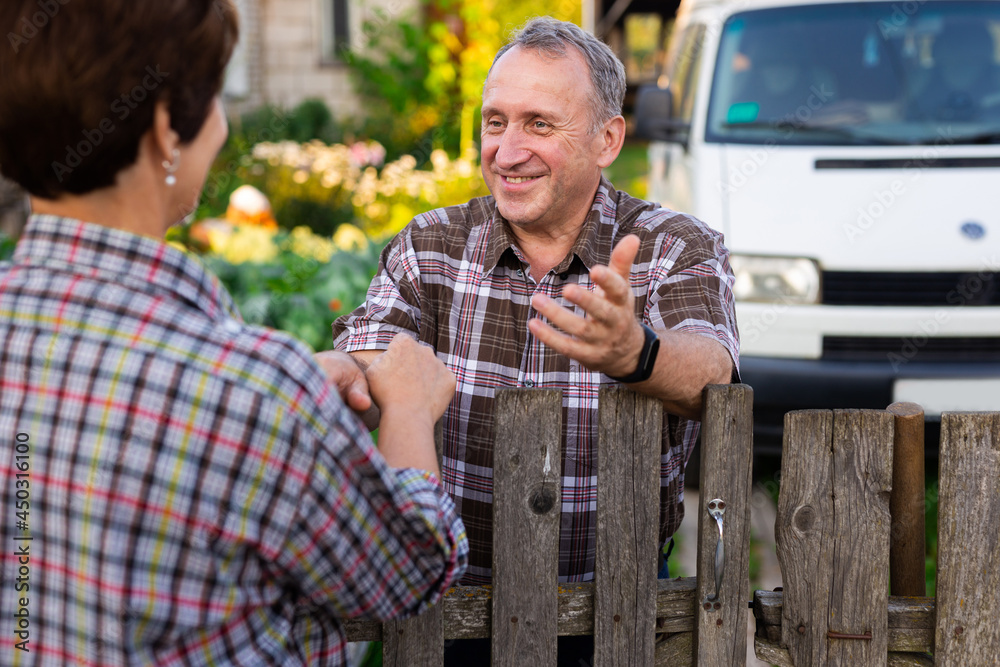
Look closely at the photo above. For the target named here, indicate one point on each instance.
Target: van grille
(871, 288)
(913, 348)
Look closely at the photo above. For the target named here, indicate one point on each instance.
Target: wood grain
(526, 507)
(726, 475)
(628, 482)
(968, 580)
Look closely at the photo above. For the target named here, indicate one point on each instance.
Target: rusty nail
(513, 619)
(959, 630)
(718, 605)
(708, 606)
(844, 635)
(617, 618)
(802, 629)
(718, 622)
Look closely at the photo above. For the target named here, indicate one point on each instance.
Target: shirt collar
(122, 258)
(592, 246)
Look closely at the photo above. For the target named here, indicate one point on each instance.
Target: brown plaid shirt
(456, 279)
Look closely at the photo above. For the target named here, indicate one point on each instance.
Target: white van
(850, 153)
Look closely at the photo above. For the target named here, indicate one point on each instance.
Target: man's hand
(409, 376)
(347, 376)
(609, 339)
(412, 388)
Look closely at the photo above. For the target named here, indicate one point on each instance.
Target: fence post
(726, 475)
(906, 504)
(968, 581)
(527, 469)
(630, 428)
(832, 532)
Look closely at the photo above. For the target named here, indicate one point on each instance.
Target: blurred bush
(309, 121)
(322, 186)
(6, 247)
(292, 280)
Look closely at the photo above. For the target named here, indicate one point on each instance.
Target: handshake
(402, 391)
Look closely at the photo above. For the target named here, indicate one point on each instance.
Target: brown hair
(79, 82)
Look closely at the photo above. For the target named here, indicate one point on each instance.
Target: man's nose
(513, 149)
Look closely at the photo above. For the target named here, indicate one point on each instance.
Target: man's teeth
(521, 180)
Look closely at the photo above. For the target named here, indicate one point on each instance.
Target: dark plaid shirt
(456, 278)
(195, 492)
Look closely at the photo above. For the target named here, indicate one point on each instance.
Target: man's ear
(612, 137)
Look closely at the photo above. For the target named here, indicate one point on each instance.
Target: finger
(357, 396)
(623, 256)
(614, 290)
(560, 342)
(560, 316)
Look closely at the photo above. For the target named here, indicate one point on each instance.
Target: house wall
(285, 63)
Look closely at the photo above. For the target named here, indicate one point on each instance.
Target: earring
(171, 168)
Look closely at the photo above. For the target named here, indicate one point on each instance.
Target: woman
(178, 487)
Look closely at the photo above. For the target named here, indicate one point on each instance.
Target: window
(237, 83)
(859, 73)
(336, 29)
(684, 78)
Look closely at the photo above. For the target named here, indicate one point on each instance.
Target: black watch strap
(647, 358)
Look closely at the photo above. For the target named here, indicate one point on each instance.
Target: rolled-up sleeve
(692, 290)
(392, 304)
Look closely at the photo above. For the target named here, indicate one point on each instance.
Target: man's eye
(541, 125)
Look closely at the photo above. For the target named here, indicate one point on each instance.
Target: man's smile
(519, 179)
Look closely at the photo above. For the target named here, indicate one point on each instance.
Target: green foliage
(394, 76)
(297, 294)
(6, 247)
(930, 534)
(630, 172)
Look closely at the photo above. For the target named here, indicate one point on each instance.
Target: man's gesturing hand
(609, 339)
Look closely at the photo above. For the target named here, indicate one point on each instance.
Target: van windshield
(915, 72)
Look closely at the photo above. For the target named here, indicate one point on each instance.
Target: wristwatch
(647, 357)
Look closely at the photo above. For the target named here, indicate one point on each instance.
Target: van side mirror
(653, 120)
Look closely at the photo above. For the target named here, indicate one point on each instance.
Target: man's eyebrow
(530, 113)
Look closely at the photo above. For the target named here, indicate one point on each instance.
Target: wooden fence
(834, 529)
(635, 618)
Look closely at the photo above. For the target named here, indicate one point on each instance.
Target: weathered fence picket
(526, 492)
(726, 475)
(626, 606)
(630, 427)
(833, 547)
(968, 581)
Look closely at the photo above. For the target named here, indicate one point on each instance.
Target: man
(556, 281)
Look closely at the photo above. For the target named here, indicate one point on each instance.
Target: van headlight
(775, 279)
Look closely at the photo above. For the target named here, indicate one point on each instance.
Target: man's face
(539, 158)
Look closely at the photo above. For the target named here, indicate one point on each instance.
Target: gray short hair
(607, 73)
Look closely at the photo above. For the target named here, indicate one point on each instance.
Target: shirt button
(564, 275)
(529, 383)
(520, 273)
